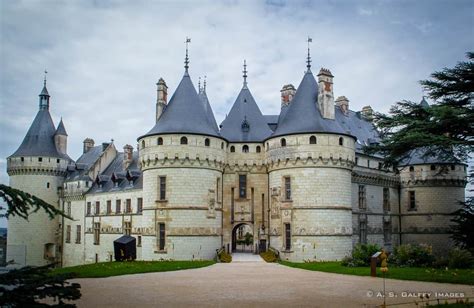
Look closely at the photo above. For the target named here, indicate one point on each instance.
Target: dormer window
(245, 126)
(184, 140)
(160, 141)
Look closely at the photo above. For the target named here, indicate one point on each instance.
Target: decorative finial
(245, 73)
(308, 59)
(205, 82)
(44, 81)
(186, 60)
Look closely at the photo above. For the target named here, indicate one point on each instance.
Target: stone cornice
(186, 162)
(309, 162)
(434, 183)
(36, 171)
(372, 178)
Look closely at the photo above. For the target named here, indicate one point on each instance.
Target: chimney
(287, 93)
(325, 93)
(88, 144)
(161, 97)
(367, 113)
(127, 155)
(343, 104)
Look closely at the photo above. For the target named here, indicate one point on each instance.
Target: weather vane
(245, 73)
(186, 60)
(308, 59)
(44, 81)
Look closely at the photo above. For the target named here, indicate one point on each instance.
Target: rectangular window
(412, 200)
(362, 201)
(96, 233)
(242, 186)
(161, 236)
(78, 234)
(97, 207)
(139, 205)
(68, 208)
(287, 237)
(127, 227)
(88, 208)
(387, 232)
(109, 206)
(386, 199)
(363, 232)
(218, 185)
(128, 204)
(287, 188)
(139, 241)
(118, 206)
(162, 188)
(68, 234)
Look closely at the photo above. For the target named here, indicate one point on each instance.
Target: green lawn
(107, 269)
(462, 276)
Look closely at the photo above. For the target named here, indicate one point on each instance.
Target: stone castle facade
(299, 180)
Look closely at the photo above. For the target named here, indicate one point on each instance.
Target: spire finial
(308, 59)
(186, 60)
(199, 84)
(44, 81)
(245, 73)
(205, 82)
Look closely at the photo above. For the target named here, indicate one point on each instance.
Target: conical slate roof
(245, 122)
(185, 113)
(44, 92)
(208, 109)
(39, 140)
(61, 130)
(424, 103)
(303, 115)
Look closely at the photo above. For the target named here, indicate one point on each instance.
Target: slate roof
(207, 107)
(358, 127)
(80, 170)
(303, 115)
(245, 122)
(272, 121)
(419, 157)
(185, 113)
(61, 130)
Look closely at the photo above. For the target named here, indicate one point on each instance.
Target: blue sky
(104, 57)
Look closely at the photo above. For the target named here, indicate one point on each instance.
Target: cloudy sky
(104, 57)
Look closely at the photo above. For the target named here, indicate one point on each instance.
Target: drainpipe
(399, 215)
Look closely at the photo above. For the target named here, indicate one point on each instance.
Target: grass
(107, 269)
(462, 276)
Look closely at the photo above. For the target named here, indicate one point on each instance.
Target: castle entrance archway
(242, 238)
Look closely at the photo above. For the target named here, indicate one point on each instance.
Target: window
(48, 185)
(412, 168)
(161, 236)
(139, 205)
(68, 233)
(357, 161)
(245, 149)
(232, 149)
(341, 141)
(88, 211)
(380, 166)
(57, 160)
(368, 163)
(386, 199)
(363, 232)
(128, 205)
(242, 186)
(411, 200)
(207, 142)
(453, 167)
(143, 144)
(184, 140)
(162, 188)
(218, 189)
(362, 203)
(78, 234)
(127, 227)
(312, 140)
(268, 147)
(433, 167)
(283, 142)
(118, 206)
(139, 241)
(258, 149)
(96, 233)
(109, 206)
(287, 237)
(22, 159)
(387, 231)
(40, 159)
(222, 145)
(287, 188)
(68, 208)
(97, 207)
(160, 141)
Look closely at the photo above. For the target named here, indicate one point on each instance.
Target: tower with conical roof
(38, 167)
(182, 158)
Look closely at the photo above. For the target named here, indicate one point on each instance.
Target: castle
(299, 181)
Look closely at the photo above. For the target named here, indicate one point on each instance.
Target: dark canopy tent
(125, 248)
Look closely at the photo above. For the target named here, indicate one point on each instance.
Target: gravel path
(253, 284)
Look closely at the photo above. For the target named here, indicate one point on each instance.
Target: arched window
(283, 142)
(258, 149)
(184, 140)
(341, 141)
(268, 147)
(143, 144)
(312, 140)
(412, 168)
(160, 141)
(222, 145)
(207, 142)
(245, 149)
(433, 167)
(232, 149)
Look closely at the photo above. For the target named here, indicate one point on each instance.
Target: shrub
(412, 256)
(460, 258)
(224, 257)
(269, 256)
(360, 255)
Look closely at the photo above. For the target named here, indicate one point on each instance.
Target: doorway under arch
(242, 238)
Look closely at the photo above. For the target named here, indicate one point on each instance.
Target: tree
(33, 286)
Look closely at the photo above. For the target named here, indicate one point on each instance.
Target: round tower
(310, 158)
(38, 167)
(182, 160)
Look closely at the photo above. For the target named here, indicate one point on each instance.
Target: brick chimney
(326, 95)
(88, 144)
(127, 156)
(367, 113)
(343, 104)
(287, 93)
(161, 97)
